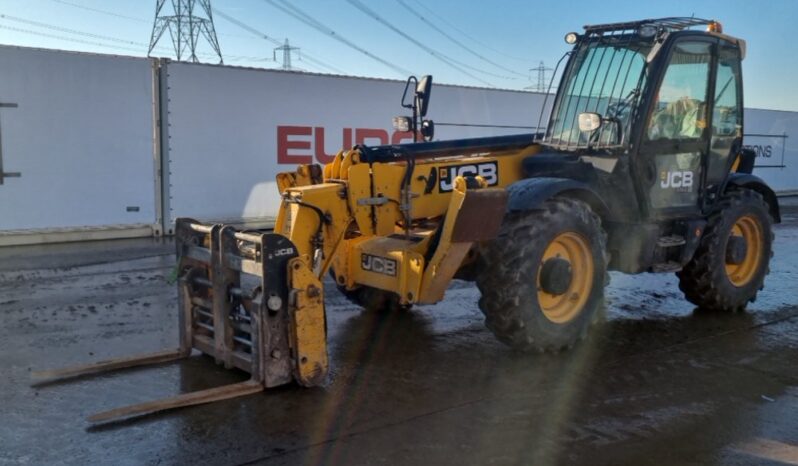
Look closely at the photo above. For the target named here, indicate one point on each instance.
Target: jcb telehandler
(641, 168)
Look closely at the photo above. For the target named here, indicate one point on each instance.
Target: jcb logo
(378, 264)
(487, 170)
(682, 180)
(283, 252)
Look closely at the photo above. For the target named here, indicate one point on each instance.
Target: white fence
(113, 146)
(77, 131)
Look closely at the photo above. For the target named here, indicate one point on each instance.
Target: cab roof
(670, 24)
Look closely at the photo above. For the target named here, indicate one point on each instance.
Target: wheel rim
(749, 229)
(575, 249)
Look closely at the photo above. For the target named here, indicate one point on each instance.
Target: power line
(70, 39)
(274, 41)
(131, 18)
(139, 47)
(98, 10)
(245, 26)
(465, 34)
(70, 31)
(448, 36)
(448, 60)
(300, 15)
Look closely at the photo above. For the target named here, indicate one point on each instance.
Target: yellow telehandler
(641, 168)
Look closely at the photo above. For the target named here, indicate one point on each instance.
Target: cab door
(675, 136)
(726, 122)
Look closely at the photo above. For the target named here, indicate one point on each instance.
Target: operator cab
(656, 107)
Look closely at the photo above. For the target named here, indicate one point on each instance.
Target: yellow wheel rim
(750, 230)
(575, 249)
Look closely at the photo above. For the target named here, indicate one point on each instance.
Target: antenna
(189, 20)
(286, 49)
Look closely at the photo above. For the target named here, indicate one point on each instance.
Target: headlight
(402, 123)
(571, 38)
(647, 31)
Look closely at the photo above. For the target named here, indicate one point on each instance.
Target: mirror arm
(404, 94)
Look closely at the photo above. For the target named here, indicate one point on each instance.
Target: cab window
(679, 111)
(727, 114)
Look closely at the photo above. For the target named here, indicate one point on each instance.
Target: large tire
(718, 278)
(523, 305)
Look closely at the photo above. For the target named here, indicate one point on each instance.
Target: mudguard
(530, 193)
(746, 180)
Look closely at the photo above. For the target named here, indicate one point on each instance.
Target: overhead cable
(274, 41)
(69, 31)
(138, 47)
(98, 10)
(456, 41)
(300, 15)
(111, 13)
(459, 66)
(70, 39)
(465, 34)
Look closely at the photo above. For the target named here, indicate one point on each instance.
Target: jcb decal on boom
(487, 170)
(378, 264)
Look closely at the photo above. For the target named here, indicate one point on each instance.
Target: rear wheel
(731, 263)
(543, 279)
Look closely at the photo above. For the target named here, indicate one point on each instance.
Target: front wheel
(543, 278)
(730, 264)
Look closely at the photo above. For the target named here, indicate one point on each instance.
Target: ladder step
(671, 241)
(666, 267)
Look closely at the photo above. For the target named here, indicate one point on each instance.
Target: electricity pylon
(187, 21)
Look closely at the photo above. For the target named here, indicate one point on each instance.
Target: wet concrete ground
(658, 383)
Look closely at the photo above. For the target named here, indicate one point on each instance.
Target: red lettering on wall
(298, 145)
(318, 142)
(284, 145)
(347, 138)
(398, 137)
(361, 134)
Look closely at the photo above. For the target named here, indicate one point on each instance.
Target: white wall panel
(82, 138)
(773, 134)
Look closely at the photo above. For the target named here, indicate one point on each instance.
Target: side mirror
(419, 105)
(428, 130)
(422, 94)
(589, 122)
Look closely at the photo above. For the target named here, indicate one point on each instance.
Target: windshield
(606, 76)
